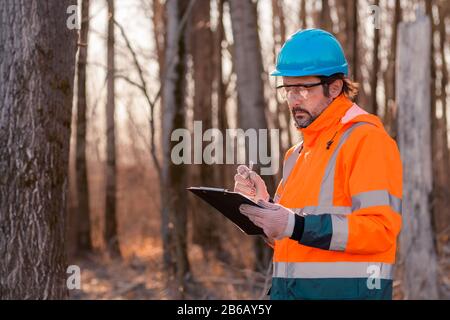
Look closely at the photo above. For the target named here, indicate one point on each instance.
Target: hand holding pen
(250, 184)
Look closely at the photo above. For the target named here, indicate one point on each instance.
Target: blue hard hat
(311, 52)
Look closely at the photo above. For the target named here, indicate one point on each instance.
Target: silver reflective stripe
(324, 210)
(327, 186)
(305, 270)
(359, 201)
(289, 164)
(339, 236)
(376, 198)
(297, 210)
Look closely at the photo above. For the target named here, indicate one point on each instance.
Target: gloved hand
(276, 221)
(250, 184)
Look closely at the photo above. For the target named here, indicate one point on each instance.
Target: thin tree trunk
(374, 74)
(325, 17)
(390, 117)
(303, 22)
(110, 233)
(174, 182)
(282, 110)
(341, 10)
(251, 105)
(159, 21)
(441, 163)
(352, 38)
(205, 228)
(417, 252)
(225, 174)
(84, 243)
(36, 75)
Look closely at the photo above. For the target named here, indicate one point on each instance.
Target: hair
(349, 88)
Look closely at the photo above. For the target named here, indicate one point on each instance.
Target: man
(335, 216)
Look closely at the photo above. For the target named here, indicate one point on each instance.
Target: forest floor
(141, 276)
(140, 273)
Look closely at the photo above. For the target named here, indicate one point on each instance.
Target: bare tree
(110, 232)
(173, 177)
(352, 37)
(325, 17)
(341, 11)
(279, 36)
(205, 228)
(159, 22)
(416, 238)
(84, 243)
(442, 215)
(373, 107)
(249, 70)
(36, 88)
(303, 22)
(440, 152)
(220, 87)
(389, 76)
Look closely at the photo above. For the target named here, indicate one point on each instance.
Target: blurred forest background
(146, 67)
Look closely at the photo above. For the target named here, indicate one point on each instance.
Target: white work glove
(276, 221)
(250, 184)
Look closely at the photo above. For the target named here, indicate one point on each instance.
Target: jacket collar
(329, 118)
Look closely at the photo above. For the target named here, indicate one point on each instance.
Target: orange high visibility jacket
(344, 182)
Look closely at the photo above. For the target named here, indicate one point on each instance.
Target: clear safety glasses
(291, 91)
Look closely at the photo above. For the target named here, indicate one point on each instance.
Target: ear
(335, 88)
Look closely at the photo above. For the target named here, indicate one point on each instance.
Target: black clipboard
(227, 203)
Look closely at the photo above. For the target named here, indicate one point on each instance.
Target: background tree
(440, 151)
(110, 233)
(84, 243)
(416, 237)
(173, 177)
(36, 84)
(247, 62)
(390, 75)
(205, 228)
(373, 106)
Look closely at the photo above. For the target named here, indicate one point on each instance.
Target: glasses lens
(294, 93)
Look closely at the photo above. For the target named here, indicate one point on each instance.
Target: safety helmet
(311, 52)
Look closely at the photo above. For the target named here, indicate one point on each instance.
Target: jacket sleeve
(372, 167)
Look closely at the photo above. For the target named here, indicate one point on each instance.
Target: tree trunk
(110, 234)
(158, 20)
(36, 75)
(249, 70)
(441, 163)
(225, 175)
(325, 17)
(205, 228)
(341, 10)
(374, 75)
(417, 251)
(84, 243)
(390, 116)
(282, 110)
(303, 22)
(173, 178)
(352, 38)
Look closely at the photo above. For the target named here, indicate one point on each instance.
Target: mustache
(298, 109)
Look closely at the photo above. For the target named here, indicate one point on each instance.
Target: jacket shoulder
(371, 138)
